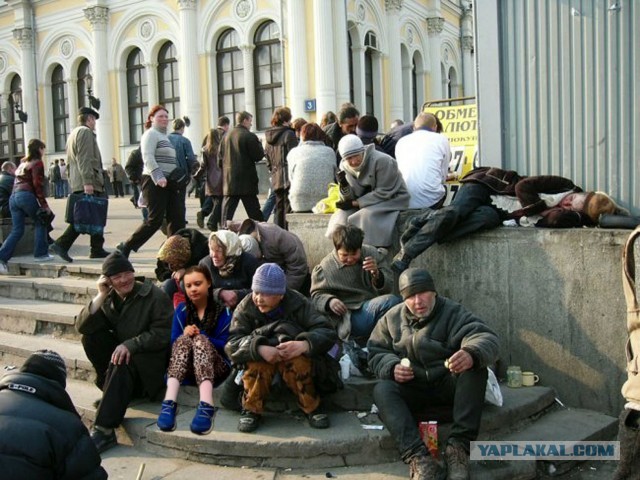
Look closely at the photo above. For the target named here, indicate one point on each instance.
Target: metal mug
(514, 376)
(529, 379)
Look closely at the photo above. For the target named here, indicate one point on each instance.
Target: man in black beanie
(41, 434)
(426, 351)
(126, 331)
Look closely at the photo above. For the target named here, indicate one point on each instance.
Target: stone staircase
(37, 308)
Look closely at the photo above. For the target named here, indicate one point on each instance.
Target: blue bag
(90, 214)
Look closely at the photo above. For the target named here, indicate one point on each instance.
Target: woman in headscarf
(198, 336)
(231, 269)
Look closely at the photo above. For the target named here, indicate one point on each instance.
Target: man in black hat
(126, 332)
(84, 168)
(430, 350)
(41, 434)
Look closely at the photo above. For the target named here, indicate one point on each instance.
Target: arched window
(137, 95)
(230, 75)
(414, 88)
(84, 70)
(168, 79)
(452, 83)
(267, 65)
(59, 96)
(371, 46)
(11, 128)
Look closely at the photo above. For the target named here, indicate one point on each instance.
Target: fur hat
(116, 263)
(250, 245)
(415, 280)
(230, 240)
(89, 111)
(176, 251)
(48, 364)
(269, 279)
(598, 203)
(350, 145)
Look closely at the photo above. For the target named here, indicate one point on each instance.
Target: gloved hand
(342, 178)
(344, 205)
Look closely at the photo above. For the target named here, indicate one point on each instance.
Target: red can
(432, 438)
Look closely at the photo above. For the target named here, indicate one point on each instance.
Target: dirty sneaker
(248, 421)
(425, 467)
(457, 462)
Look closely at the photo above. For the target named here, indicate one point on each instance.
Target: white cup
(529, 379)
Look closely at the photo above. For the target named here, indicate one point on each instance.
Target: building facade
(206, 58)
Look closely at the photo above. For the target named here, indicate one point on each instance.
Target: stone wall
(554, 297)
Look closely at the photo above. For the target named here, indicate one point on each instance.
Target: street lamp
(93, 101)
(17, 100)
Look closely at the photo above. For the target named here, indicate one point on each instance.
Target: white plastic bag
(493, 394)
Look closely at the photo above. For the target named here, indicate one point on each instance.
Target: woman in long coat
(372, 192)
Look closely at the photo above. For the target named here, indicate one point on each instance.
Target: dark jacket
(299, 321)
(239, 152)
(212, 166)
(334, 134)
(389, 141)
(240, 279)
(527, 190)
(428, 342)
(6, 187)
(41, 434)
(199, 245)
(280, 141)
(143, 326)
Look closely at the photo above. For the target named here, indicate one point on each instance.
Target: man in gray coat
(430, 350)
(240, 150)
(85, 176)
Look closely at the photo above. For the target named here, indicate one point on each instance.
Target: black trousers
(213, 205)
(280, 209)
(397, 403)
(70, 235)
(119, 383)
(469, 212)
(161, 203)
(118, 191)
(250, 203)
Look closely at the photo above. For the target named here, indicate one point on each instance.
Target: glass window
(230, 75)
(137, 99)
(267, 66)
(168, 79)
(11, 128)
(59, 97)
(83, 71)
(414, 88)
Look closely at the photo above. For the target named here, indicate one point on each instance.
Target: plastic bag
(493, 394)
(328, 204)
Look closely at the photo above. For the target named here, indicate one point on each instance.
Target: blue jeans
(269, 204)
(24, 204)
(365, 318)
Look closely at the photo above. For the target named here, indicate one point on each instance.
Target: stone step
(86, 268)
(38, 317)
(66, 289)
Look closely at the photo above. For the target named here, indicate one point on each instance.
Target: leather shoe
(123, 249)
(61, 252)
(99, 254)
(103, 441)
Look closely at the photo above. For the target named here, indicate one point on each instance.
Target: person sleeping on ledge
(489, 196)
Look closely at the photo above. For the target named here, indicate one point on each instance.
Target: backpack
(134, 166)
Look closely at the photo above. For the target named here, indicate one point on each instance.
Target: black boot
(629, 437)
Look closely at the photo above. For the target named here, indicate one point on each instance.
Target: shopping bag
(328, 204)
(493, 394)
(90, 214)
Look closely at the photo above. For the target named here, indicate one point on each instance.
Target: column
(296, 42)
(357, 53)
(25, 38)
(341, 52)
(99, 17)
(152, 83)
(190, 103)
(249, 84)
(434, 27)
(468, 72)
(395, 59)
(324, 53)
(466, 42)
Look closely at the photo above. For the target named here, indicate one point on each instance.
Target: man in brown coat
(239, 152)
